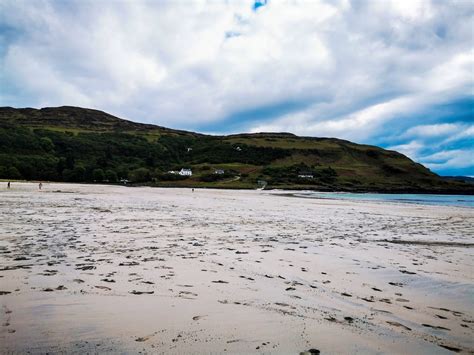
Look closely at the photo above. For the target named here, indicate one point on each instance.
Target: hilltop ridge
(75, 117)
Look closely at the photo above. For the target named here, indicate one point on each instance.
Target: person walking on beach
(8, 185)
(40, 185)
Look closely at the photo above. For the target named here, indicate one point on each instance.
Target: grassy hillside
(84, 145)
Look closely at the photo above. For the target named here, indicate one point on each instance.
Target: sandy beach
(97, 269)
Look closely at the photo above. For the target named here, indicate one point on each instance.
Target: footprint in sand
(108, 280)
(187, 293)
(402, 300)
(398, 284)
(142, 292)
(451, 348)
(220, 282)
(396, 324)
(145, 338)
(434, 326)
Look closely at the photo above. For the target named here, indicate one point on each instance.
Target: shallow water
(422, 199)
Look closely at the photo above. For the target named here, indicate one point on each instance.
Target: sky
(397, 74)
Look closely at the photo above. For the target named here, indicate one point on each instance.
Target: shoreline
(469, 192)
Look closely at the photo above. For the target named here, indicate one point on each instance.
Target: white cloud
(171, 63)
(410, 9)
(467, 132)
(435, 130)
(411, 149)
(458, 158)
(439, 146)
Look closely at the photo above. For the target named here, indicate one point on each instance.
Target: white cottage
(185, 172)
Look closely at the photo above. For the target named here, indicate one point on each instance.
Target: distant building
(261, 184)
(238, 149)
(173, 172)
(124, 181)
(305, 175)
(189, 149)
(185, 172)
(219, 171)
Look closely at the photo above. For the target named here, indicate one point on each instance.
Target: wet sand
(88, 268)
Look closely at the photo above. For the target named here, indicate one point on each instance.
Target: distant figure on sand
(193, 190)
(40, 185)
(8, 185)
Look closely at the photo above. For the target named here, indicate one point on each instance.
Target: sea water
(423, 199)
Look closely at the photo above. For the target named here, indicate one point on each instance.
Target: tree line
(50, 154)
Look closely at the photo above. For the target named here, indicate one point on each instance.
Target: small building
(238, 149)
(305, 175)
(173, 172)
(189, 149)
(219, 171)
(185, 172)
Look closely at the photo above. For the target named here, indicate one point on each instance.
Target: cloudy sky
(397, 74)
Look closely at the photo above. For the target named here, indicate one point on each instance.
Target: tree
(70, 161)
(150, 160)
(122, 172)
(111, 176)
(75, 175)
(140, 175)
(61, 165)
(98, 175)
(27, 170)
(13, 173)
(47, 144)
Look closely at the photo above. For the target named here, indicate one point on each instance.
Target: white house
(238, 149)
(219, 172)
(305, 175)
(185, 172)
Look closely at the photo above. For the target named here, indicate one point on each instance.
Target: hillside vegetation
(83, 145)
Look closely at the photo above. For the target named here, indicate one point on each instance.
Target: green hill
(84, 145)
